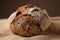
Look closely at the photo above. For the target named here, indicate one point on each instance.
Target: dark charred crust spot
(38, 24)
(35, 10)
(26, 15)
(18, 13)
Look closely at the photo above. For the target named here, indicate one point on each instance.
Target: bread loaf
(29, 20)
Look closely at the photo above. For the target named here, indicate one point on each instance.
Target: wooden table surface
(6, 34)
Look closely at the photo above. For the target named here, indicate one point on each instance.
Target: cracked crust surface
(30, 21)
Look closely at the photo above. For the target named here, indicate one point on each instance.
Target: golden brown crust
(30, 21)
(24, 8)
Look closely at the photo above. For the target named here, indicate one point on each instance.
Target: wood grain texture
(52, 33)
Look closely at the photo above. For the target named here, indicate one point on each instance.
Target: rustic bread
(29, 20)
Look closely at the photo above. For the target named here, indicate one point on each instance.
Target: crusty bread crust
(29, 21)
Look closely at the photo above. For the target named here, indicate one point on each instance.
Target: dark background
(9, 6)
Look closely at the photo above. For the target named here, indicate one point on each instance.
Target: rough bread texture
(29, 21)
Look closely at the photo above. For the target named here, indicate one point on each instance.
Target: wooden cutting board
(52, 33)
